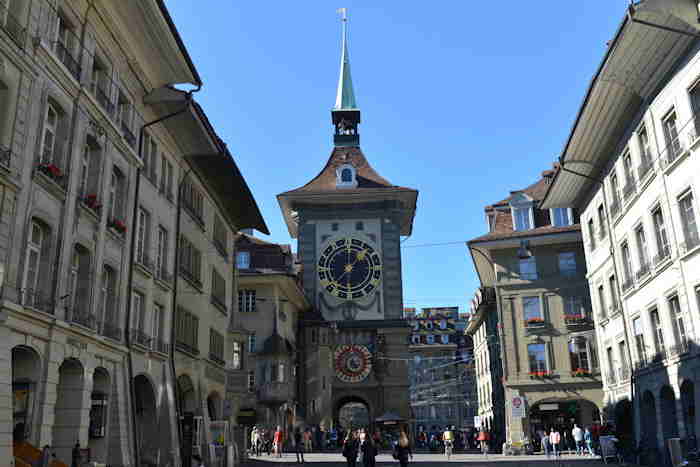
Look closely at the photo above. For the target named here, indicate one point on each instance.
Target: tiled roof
(367, 177)
(544, 230)
(286, 248)
(536, 191)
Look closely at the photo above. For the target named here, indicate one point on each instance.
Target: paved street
(333, 459)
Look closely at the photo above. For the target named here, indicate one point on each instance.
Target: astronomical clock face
(349, 268)
(352, 363)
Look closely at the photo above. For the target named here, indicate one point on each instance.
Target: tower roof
(345, 97)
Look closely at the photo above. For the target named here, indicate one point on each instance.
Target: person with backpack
(402, 450)
(368, 450)
(298, 446)
(350, 449)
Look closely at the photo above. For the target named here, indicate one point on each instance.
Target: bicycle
(448, 449)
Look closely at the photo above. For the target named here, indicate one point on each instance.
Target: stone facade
(86, 332)
(640, 233)
(533, 259)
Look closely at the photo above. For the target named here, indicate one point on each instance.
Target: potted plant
(117, 225)
(91, 202)
(581, 372)
(534, 321)
(50, 170)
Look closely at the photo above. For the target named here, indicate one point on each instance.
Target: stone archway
(99, 415)
(624, 422)
(688, 404)
(214, 406)
(68, 409)
(146, 418)
(187, 399)
(26, 367)
(669, 421)
(648, 420)
(352, 412)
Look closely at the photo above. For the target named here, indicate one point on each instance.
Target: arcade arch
(69, 408)
(26, 368)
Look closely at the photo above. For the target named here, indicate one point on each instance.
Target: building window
(157, 327)
(639, 340)
(243, 260)
(522, 218)
(642, 249)
(614, 189)
(34, 267)
(612, 365)
(79, 286)
(601, 221)
(580, 355)
(50, 152)
(193, 201)
(218, 290)
(612, 282)
(251, 381)
(659, 346)
(591, 234)
(190, 262)
(624, 368)
(679, 332)
(138, 311)
(673, 144)
(334, 226)
(537, 356)
(236, 360)
(150, 158)
(220, 235)
(601, 301)
(561, 217)
(251, 343)
(116, 199)
(662, 245)
(445, 339)
(216, 347)
(280, 373)
(528, 268)
(359, 225)
(187, 331)
(246, 301)
(430, 339)
(108, 302)
(166, 177)
(491, 221)
(574, 308)
(645, 152)
(627, 168)
(162, 252)
(690, 226)
(626, 265)
(142, 236)
(567, 264)
(532, 310)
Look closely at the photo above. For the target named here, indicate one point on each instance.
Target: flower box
(117, 225)
(534, 321)
(91, 202)
(575, 319)
(581, 372)
(539, 374)
(50, 170)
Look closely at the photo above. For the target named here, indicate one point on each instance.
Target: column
(6, 424)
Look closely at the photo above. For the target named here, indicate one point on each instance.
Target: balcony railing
(12, 26)
(66, 56)
(185, 347)
(692, 239)
(216, 359)
(128, 135)
(217, 302)
(663, 254)
(629, 189)
(36, 299)
(53, 171)
(577, 320)
(141, 338)
(5, 158)
(683, 347)
(623, 373)
(644, 168)
(145, 261)
(194, 212)
(103, 99)
(535, 323)
(644, 270)
(190, 276)
(627, 284)
(539, 373)
(579, 372)
(111, 330)
(83, 318)
(673, 151)
(615, 207)
(159, 345)
(164, 276)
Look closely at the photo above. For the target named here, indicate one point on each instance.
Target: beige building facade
(89, 239)
(534, 260)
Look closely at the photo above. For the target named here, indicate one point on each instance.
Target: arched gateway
(352, 412)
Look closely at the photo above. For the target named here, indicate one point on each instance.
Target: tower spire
(346, 115)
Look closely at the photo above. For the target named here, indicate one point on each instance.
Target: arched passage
(624, 423)
(688, 404)
(352, 412)
(25, 375)
(669, 422)
(146, 418)
(214, 406)
(562, 414)
(99, 402)
(648, 420)
(186, 393)
(69, 408)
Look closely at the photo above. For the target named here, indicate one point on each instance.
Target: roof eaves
(180, 43)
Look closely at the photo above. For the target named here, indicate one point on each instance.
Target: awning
(390, 418)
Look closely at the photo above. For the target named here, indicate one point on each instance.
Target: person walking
(577, 433)
(483, 440)
(307, 440)
(546, 445)
(254, 437)
(277, 441)
(554, 440)
(299, 446)
(350, 449)
(403, 450)
(368, 450)
(588, 438)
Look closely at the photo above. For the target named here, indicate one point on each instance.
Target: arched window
(35, 267)
(346, 175)
(582, 355)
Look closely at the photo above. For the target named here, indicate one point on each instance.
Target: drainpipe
(130, 278)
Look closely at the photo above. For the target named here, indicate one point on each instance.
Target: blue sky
(464, 101)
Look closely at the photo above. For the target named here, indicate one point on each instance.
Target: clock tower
(349, 221)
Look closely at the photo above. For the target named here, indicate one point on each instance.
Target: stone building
(348, 221)
(439, 367)
(533, 259)
(264, 332)
(635, 181)
(89, 240)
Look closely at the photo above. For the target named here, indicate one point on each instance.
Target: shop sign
(517, 407)
(477, 421)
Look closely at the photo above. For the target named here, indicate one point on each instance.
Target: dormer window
(243, 260)
(561, 217)
(491, 219)
(346, 176)
(522, 211)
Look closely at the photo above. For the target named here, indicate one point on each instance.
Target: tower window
(346, 176)
(334, 226)
(359, 225)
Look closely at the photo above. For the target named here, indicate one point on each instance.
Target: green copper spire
(345, 98)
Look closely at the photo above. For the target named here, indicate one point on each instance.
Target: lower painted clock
(353, 363)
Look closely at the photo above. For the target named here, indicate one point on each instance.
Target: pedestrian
(298, 445)
(577, 433)
(278, 440)
(75, 454)
(369, 451)
(307, 440)
(254, 436)
(403, 450)
(588, 438)
(554, 440)
(350, 449)
(546, 445)
(483, 440)
(198, 462)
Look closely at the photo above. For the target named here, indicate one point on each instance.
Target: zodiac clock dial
(353, 363)
(349, 268)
